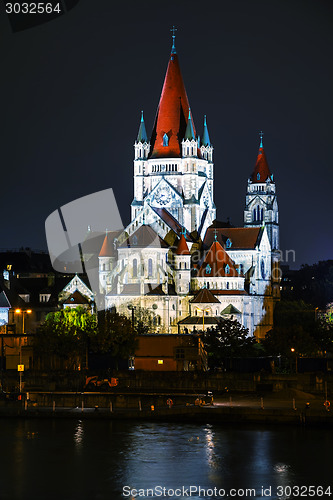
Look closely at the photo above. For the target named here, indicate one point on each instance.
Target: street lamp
(132, 308)
(203, 316)
(168, 301)
(23, 312)
(293, 350)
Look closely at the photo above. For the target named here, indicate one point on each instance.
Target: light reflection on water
(70, 460)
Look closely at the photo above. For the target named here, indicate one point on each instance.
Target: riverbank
(240, 409)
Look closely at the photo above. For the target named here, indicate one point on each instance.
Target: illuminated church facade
(174, 258)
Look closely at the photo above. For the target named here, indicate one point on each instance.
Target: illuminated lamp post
(203, 316)
(20, 311)
(293, 351)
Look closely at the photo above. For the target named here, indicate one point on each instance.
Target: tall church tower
(173, 172)
(261, 207)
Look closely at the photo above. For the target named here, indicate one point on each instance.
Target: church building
(174, 259)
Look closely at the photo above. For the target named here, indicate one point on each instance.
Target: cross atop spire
(215, 234)
(173, 48)
(261, 134)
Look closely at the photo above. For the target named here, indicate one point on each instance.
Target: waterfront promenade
(292, 407)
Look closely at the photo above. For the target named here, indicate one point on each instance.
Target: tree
(229, 339)
(145, 321)
(114, 335)
(66, 334)
(296, 327)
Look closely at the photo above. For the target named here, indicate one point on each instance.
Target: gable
(164, 195)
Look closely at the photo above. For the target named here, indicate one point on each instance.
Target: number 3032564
(32, 8)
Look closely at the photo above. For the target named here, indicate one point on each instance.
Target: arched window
(180, 265)
(262, 214)
(258, 213)
(196, 312)
(228, 243)
(208, 284)
(165, 140)
(227, 269)
(208, 269)
(135, 268)
(258, 176)
(150, 267)
(227, 285)
(254, 215)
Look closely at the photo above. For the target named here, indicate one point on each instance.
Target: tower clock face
(162, 196)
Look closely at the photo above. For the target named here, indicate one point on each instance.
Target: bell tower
(261, 207)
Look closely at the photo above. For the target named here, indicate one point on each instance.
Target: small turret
(206, 146)
(189, 143)
(142, 146)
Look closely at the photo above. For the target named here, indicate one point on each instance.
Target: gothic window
(135, 268)
(196, 312)
(258, 176)
(262, 214)
(103, 267)
(165, 140)
(150, 267)
(208, 269)
(227, 269)
(258, 213)
(180, 265)
(227, 285)
(176, 168)
(180, 276)
(228, 243)
(254, 215)
(187, 151)
(208, 284)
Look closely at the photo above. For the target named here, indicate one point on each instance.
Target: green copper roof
(189, 134)
(142, 134)
(230, 309)
(205, 137)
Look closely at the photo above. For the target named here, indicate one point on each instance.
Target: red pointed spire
(107, 249)
(261, 170)
(172, 114)
(182, 248)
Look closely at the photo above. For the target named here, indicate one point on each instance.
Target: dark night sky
(72, 90)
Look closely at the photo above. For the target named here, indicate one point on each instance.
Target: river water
(97, 460)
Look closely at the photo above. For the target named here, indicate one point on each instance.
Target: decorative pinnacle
(173, 49)
(205, 122)
(261, 136)
(189, 114)
(142, 115)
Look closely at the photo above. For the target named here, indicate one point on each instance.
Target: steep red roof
(205, 296)
(107, 248)
(261, 170)
(182, 248)
(240, 237)
(215, 263)
(172, 114)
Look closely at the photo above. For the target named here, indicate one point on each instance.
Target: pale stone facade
(172, 248)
